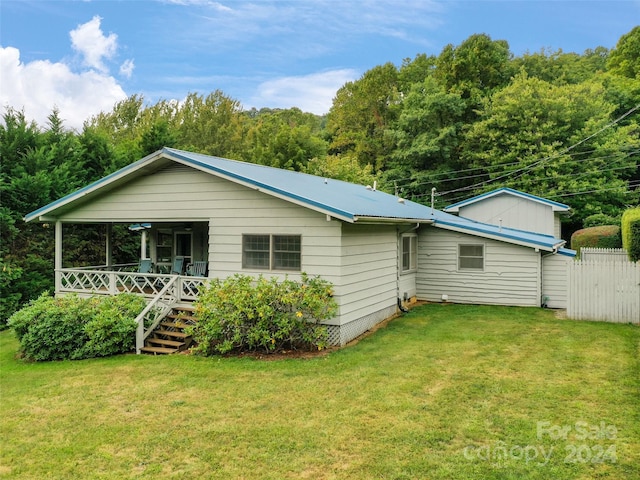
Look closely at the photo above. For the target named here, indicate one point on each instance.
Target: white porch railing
(162, 291)
(99, 281)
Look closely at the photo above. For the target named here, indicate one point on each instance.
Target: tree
(427, 136)
(362, 113)
(284, 139)
(623, 60)
(557, 142)
(474, 69)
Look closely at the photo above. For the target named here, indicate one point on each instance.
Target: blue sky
(83, 56)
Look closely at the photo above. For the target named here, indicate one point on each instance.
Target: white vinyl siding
(511, 273)
(515, 212)
(554, 280)
(369, 270)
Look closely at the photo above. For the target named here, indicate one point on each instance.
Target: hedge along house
(378, 250)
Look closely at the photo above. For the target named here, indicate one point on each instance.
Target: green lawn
(445, 392)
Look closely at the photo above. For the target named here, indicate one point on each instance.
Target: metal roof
(510, 235)
(555, 206)
(346, 201)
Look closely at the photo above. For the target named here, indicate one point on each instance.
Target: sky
(83, 56)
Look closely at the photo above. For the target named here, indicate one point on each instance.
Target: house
(378, 250)
(514, 209)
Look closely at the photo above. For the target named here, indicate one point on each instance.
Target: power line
(523, 170)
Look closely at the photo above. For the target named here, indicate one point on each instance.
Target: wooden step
(158, 350)
(180, 316)
(175, 324)
(166, 343)
(171, 333)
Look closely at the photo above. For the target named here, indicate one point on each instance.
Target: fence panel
(605, 291)
(604, 254)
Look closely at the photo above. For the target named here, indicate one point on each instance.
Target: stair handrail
(170, 300)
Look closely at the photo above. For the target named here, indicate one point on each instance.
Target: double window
(271, 252)
(471, 257)
(409, 252)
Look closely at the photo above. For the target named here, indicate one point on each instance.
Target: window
(471, 257)
(409, 252)
(271, 252)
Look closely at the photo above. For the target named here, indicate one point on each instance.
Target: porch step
(171, 333)
(165, 342)
(169, 337)
(158, 350)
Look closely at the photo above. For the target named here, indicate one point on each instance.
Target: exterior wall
(554, 280)
(557, 225)
(511, 273)
(515, 212)
(360, 260)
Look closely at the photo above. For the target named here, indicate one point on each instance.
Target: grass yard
(445, 392)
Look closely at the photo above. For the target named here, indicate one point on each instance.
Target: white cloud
(126, 69)
(89, 40)
(311, 93)
(37, 87)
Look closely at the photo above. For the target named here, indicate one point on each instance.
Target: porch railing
(99, 281)
(157, 309)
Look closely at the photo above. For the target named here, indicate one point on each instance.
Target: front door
(183, 243)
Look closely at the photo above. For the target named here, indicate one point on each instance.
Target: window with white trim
(409, 253)
(471, 257)
(271, 252)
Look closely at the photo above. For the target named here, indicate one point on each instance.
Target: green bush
(600, 219)
(604, 236)
(71, 327)
(241, 314)
(631, 233)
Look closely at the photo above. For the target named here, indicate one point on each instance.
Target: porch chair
(145, 265)
(178, 264)
(197, 269)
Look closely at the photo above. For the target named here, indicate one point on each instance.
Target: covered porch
(172, 265)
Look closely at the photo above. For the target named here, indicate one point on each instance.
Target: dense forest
(564, 126)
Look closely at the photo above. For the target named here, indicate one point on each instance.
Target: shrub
(71, 327)
(600, 219)
(631, 233)
(241, 314)
(605, 236)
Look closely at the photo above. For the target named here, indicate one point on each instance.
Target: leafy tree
(363, 111)
(427, 136)
(474, 69)
(213, 124)
(284, 139)
(560, 68)
(533, 136)
(343, 168)
(623, 60)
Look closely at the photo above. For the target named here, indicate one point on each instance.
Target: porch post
(143, 245)
(58, 257)
(109, 250)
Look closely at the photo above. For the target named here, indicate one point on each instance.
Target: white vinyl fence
(604, 254)
(606, 291)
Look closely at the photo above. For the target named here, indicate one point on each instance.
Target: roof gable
(346, 201)
(343, 200)
(555, 206)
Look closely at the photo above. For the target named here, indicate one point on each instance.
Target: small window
(409, 253)
(271, 252)
(471, 257)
